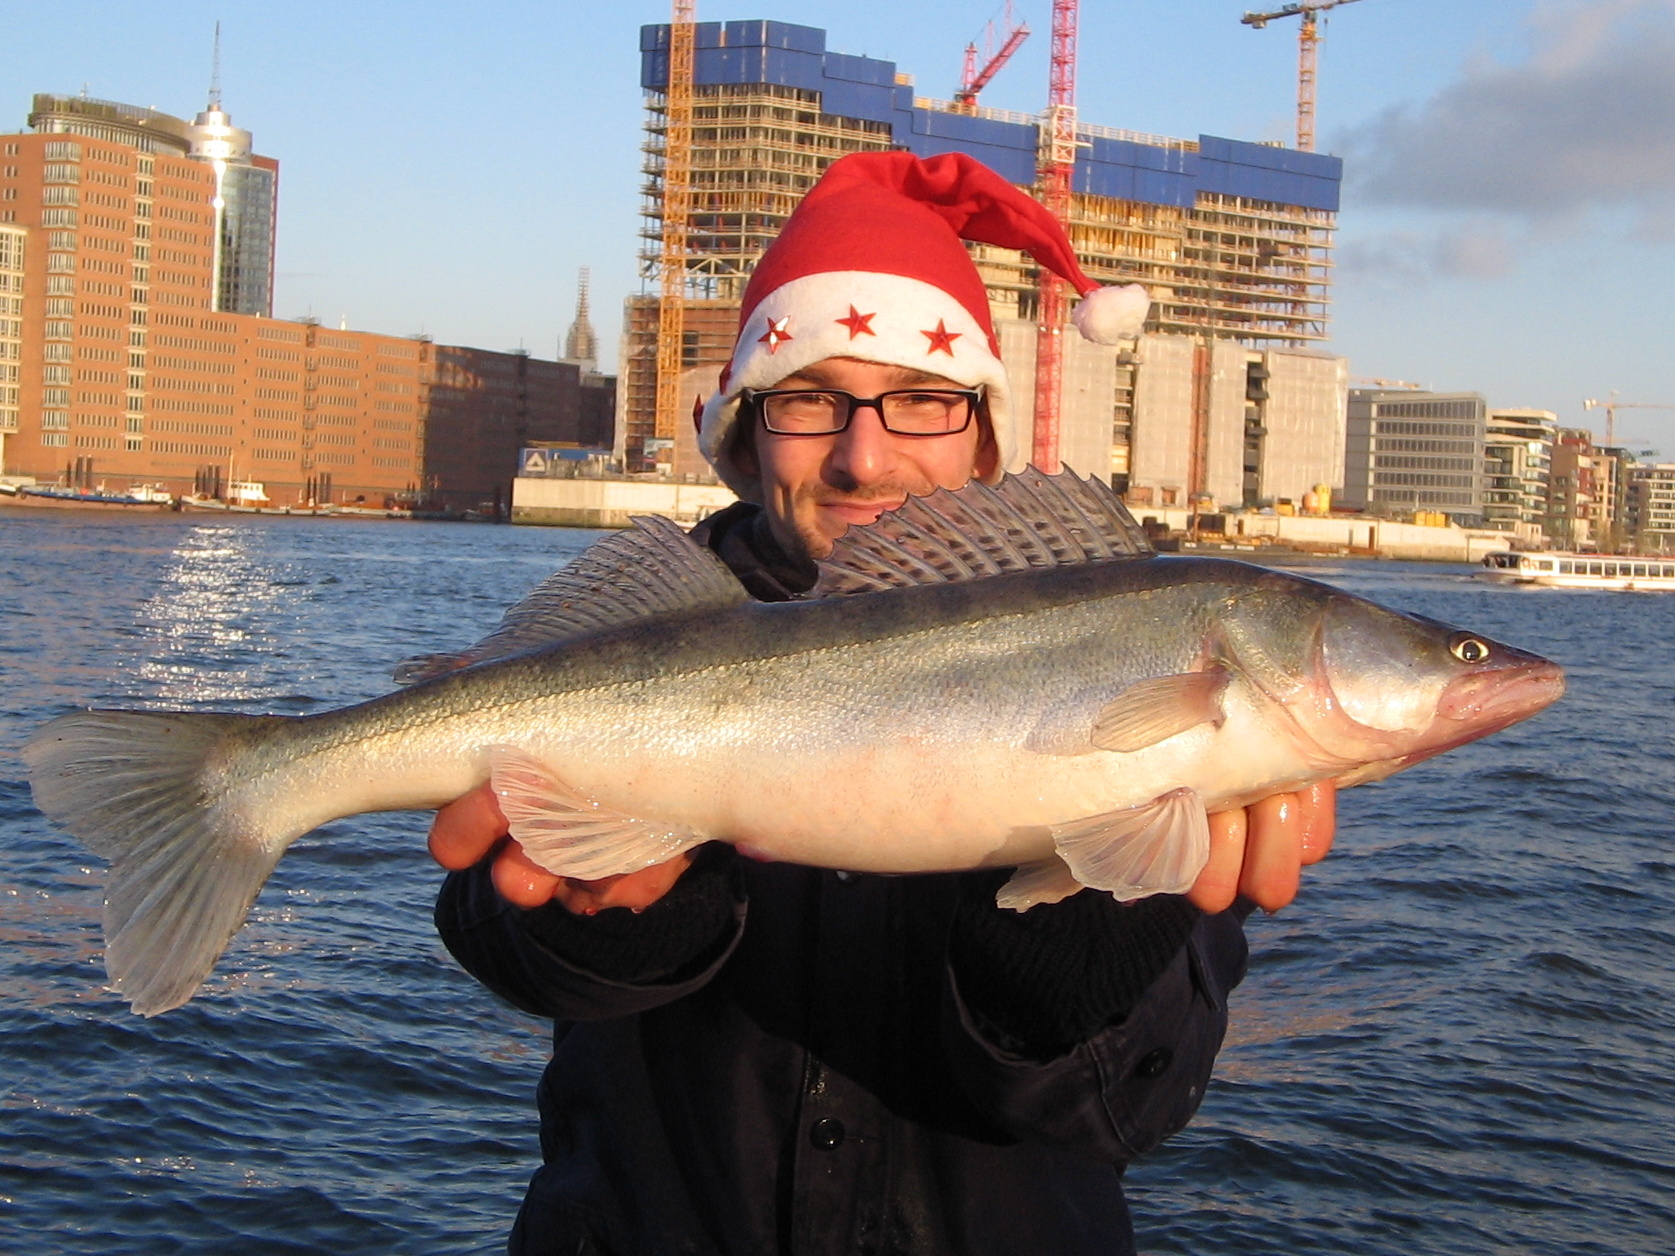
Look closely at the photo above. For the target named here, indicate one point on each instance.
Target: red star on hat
(859, 324)
(776, 334)
(942, 340)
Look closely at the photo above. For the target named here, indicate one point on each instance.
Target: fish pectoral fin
(1049, 881)
(569, 834)
(1159, 847)
(1151, 711)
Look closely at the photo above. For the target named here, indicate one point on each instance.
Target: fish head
(1366, 684)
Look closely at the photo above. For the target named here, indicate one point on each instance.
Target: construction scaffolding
(1233, 240)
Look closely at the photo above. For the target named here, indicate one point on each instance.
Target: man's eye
(809, 401)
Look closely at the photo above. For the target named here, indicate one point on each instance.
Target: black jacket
(781, 1060)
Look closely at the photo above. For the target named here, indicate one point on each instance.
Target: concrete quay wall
(598, 503)
(1381, 538)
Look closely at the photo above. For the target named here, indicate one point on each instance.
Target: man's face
(815, 487)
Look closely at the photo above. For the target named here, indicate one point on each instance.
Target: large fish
(988, 677)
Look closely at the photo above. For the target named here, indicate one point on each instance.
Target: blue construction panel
(861, 69)
(1013, 165)
(973, 130)
(763, 34)
(857, 100)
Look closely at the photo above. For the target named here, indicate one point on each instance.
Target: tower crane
(677, 210)
(974, 79)
(1056, 165)
(1308, 44)
(1611, 405)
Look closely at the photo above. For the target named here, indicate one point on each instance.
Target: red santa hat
(871, 266)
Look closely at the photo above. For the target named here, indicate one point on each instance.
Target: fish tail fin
(151, 792)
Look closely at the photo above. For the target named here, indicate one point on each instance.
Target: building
(13, 249)
(1408, 450)
(1651, 513)
(1518, 454)
(137, 344)
(1233, 240)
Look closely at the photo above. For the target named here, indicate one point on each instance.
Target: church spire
(581, 345)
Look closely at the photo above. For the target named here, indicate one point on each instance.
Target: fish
(992, 677)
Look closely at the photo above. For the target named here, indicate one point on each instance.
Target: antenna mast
(215, 73)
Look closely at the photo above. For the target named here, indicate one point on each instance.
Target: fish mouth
(1491, 700)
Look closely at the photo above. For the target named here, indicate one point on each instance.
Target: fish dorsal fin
(652, 568)
(1030, 519)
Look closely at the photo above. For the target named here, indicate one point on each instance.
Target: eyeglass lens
(909, 413)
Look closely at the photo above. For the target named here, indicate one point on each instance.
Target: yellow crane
(1611, 405)
(1308, 48)
(677, 212)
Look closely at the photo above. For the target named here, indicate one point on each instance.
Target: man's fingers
(1218, 884)
(633, 890)
(466, 829)
(1273, 852)
(1318, 807)
(520, 880)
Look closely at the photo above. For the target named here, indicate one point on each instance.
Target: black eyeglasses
(827, 411)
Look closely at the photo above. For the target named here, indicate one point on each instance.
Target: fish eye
(1469, 650)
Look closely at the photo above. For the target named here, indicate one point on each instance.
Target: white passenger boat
(1580, 571)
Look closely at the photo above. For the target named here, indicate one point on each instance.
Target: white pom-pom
(1108, 316)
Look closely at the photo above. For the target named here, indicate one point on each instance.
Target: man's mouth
(853, 513)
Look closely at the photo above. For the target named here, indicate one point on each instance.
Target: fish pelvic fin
(146, 790)
(569, 834)
(1048, 881)
(1158, 847)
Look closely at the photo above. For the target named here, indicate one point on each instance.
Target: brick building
(137, 347)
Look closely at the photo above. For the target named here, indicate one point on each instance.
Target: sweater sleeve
(1043, 980)
(1132, 1008)
(551, 962)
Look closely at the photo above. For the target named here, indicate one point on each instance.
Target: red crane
(975, 79)
(1055, 168)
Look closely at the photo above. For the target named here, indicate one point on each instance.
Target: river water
(1457, 1041)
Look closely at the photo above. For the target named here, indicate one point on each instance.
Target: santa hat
(870, 266)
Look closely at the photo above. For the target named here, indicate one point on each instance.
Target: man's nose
(864, 451)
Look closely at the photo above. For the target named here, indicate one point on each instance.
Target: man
(756, 1058)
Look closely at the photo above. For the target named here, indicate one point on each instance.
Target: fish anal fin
(1158, 847)
(568, 833)
(1048, 881)
(1153, 710)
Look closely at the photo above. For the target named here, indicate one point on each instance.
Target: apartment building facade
(1408, 450)
(1518, 455)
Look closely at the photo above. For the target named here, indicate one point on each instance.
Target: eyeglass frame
(974, 398)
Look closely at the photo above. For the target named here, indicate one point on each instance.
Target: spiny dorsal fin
(1028, 520)
(652, 568)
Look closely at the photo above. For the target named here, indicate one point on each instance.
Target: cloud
(1478, 249)
(1586, 122)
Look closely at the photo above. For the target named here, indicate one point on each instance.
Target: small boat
(1553, 569)
(139, 497)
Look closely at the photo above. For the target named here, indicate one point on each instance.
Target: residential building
(1408, 450)
(1574, 489)
(1518, 453)
(14, 243)
(1233, 240)
(1651, 514)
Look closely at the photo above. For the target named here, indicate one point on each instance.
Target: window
(62, 240)
(55, 420)
(58, 218)
(56, 439)
(57, 150)
(59, 196)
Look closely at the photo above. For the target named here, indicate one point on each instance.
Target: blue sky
(1509, 213)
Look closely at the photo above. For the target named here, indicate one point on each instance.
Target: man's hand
(1261, 851)
(470, 827)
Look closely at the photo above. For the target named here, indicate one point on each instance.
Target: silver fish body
(1075, 720)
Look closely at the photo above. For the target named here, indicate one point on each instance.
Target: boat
(1558, 570)
(138, 497)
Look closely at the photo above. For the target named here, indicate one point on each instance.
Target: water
(1458, 1041)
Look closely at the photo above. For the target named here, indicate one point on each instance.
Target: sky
(1508, 223)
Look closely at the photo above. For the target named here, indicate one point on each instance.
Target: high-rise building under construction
(1223, 395)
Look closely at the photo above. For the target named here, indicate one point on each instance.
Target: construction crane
(1308, 46)
(975, 78)
(1055, 167)
(1611, 405)
(677, 213)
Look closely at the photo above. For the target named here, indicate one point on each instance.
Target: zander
(999, 677)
